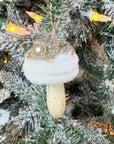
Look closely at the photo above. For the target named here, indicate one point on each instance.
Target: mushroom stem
(56, 101)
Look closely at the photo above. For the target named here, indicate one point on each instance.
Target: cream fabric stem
(56, 101)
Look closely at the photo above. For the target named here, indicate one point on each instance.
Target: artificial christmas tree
(89, 116)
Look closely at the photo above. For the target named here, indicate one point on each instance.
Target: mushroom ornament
(52, 63)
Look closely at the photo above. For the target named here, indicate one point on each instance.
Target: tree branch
(51, 16)
(56, 27)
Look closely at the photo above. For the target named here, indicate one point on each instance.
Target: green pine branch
(53, 12)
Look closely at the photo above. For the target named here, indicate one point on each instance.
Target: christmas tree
(87, 26)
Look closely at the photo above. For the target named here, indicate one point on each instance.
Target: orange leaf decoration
(17, 29)
(34, 16)
(94, 16)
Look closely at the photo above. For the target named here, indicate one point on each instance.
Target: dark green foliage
(58, 7)
(19, 17)
(111, 138)
(109, 44)
(2, 20)
(87, 107)
(110, 71)
(88, 60)
(87, 102)
(40, 137)
(3, 9)
(92, 4)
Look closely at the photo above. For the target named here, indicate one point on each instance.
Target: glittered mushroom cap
(50, 62)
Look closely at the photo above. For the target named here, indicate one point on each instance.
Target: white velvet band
(62, 69)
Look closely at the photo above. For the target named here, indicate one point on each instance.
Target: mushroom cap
(50, 62)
